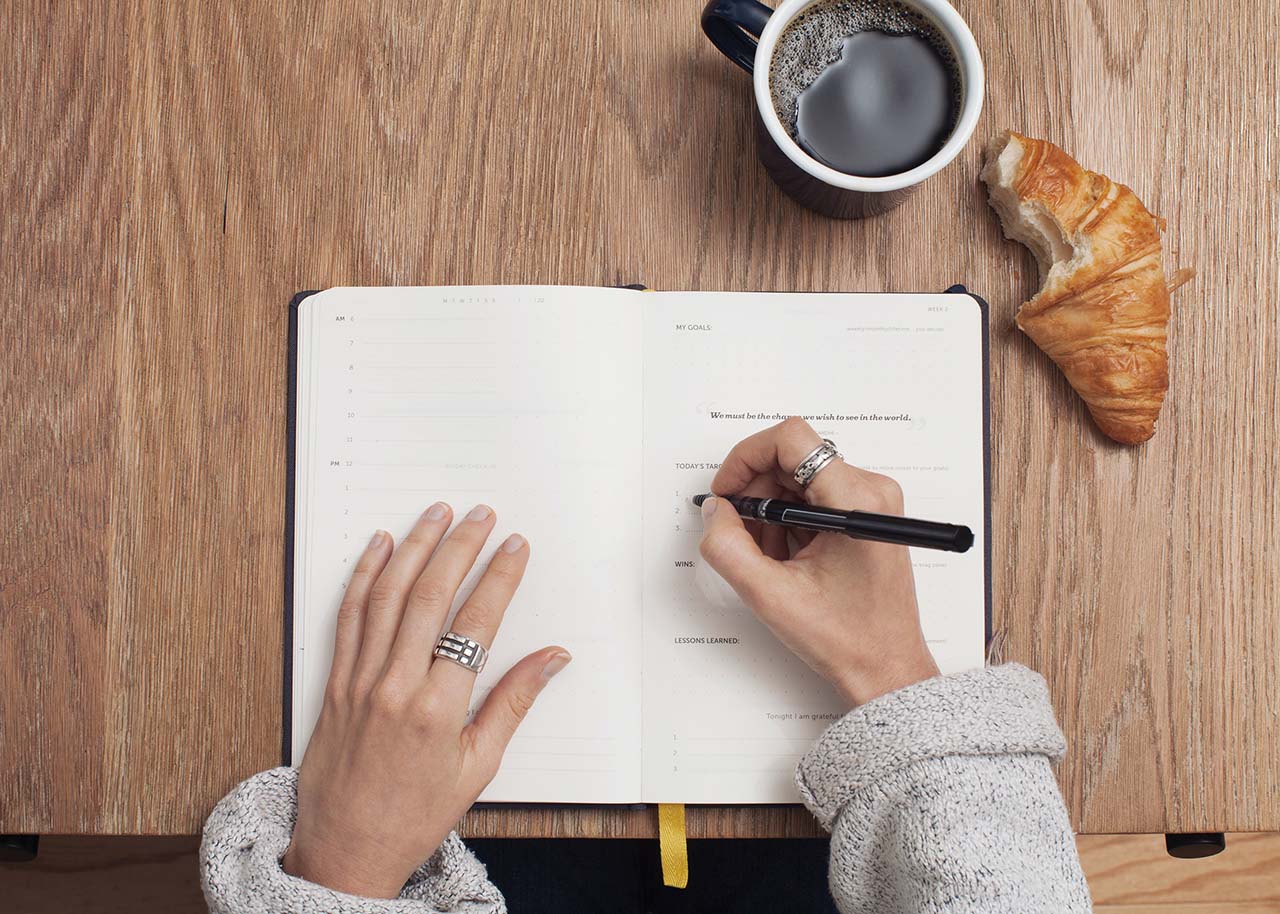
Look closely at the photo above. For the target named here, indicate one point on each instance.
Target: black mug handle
(733, 26)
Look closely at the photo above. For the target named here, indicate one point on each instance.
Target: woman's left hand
(393, 763)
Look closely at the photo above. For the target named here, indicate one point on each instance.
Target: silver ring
(462, 651)
(815, 462)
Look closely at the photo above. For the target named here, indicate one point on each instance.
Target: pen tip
(699, 499)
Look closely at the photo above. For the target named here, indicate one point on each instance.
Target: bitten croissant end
(1102, 312)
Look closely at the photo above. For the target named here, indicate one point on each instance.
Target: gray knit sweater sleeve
(250, 829)
(940, 797)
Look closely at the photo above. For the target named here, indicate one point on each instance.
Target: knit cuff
(250, 829)
(1002, 710)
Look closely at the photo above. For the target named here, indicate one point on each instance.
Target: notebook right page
(897, 382)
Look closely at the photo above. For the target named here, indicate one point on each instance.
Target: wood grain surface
(173, 172)
(1134, 873)
(1127, 874)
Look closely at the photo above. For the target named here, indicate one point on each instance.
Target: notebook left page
(511, 396)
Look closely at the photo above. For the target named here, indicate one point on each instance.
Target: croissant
(1102, 312)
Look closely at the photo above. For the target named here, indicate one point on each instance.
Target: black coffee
(868, 87)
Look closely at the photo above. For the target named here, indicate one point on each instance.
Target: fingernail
(709, 507)
(479, 512)
(513, 543)
(377, 538)
(557, 663)
(437, 511)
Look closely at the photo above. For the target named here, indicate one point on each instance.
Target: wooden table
(172, 173)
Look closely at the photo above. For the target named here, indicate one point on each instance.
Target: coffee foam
(812, 42)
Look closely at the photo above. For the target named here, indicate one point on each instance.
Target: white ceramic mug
(731, 25)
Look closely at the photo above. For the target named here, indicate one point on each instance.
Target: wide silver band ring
(462, 651)
(815, 462)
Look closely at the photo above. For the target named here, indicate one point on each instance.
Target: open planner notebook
(587, 417)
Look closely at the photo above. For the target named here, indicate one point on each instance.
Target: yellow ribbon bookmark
(671, 845)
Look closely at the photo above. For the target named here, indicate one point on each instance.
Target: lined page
(896, 382)
(526, 399)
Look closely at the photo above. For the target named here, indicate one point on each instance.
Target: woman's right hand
(846, 607)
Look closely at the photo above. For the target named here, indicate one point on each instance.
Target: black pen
(863, 525)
